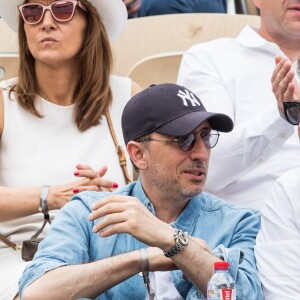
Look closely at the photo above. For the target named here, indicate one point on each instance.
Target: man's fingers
(110, 225)
(106, 206)
(289, 94)
(113, 199)
(281, 71)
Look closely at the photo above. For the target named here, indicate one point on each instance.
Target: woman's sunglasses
(187, 142)
(292, 111)
(62, 11)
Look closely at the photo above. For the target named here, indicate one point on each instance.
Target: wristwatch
(43, 200)
(181, 241)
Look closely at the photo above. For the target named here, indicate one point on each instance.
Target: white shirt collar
(250, 38)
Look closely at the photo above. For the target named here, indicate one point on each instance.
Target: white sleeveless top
(36, 152)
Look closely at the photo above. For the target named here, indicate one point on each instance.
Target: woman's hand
(92, 180)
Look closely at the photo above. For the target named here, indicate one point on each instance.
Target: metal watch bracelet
(181, 241)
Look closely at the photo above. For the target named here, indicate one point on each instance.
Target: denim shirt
(229, 230)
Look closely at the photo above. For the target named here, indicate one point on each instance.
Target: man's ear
(136, 152)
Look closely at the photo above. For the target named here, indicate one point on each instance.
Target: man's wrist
(181, 242)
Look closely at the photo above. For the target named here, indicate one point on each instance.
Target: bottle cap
(222, 265)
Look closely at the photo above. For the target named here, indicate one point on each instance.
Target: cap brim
(189, 122)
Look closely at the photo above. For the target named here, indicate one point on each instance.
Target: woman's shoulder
(122, 83)
(119, 81)
(121, 90)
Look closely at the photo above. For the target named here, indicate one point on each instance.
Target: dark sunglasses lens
(63, 10)
(186, 143)
(293, 113)
(32, 13)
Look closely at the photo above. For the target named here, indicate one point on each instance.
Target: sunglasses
(292, 111)
(62, 11)
(187, 142)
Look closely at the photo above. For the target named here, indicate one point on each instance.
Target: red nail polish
(115, 185)
(75, 191)
(76, 173)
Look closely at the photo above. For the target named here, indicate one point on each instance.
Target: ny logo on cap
(188, 96)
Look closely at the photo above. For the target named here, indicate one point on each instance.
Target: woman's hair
(93, 95)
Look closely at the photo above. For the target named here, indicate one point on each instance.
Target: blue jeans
(161, 7)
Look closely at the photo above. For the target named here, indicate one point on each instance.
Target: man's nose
(199, 151)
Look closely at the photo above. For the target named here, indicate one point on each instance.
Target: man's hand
(284, 85)
(125, 214)
(132, 6)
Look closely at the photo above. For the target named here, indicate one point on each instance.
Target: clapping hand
(284, 85)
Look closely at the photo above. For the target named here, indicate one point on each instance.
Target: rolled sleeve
(240, 255)
(35, 271)
(70, 231)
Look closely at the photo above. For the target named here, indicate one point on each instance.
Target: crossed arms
(72, 267)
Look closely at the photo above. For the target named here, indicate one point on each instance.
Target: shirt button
(283, 135)
(260, 161)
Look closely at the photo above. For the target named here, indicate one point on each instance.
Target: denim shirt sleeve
(71, 222)
(240, 255)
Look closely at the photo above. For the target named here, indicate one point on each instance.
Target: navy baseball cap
(168, 109)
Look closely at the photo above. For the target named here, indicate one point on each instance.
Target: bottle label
(221, 294)
(227, 294)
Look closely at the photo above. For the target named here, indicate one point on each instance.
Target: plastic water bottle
(221, 286)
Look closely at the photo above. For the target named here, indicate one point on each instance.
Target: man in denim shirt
(162, 225)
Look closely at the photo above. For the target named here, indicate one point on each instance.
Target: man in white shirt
(233, 76)
(278, 242)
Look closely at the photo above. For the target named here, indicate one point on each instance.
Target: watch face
(183, 238)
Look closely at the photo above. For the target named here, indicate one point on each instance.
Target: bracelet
(144, 260)
(43, 200)
(145, 272)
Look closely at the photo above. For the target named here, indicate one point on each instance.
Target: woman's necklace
(49, 100)
(43, 96)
